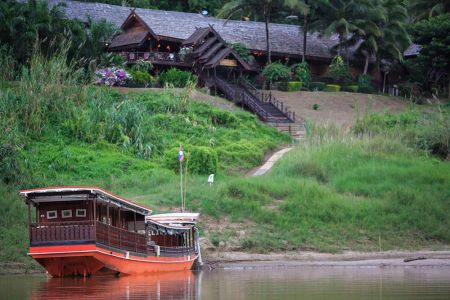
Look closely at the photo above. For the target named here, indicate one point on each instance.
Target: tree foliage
(276, 71)
(433, 36)
(261, 8)
(23, 25)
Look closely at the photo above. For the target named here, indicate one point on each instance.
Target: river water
(278, 283)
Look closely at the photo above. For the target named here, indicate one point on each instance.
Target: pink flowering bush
(111, 76)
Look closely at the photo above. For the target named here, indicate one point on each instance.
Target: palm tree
(98, 35)
(344, 17)
(384, 33)
(302, 7)
(429, 8)
(258, 8)
(394, 37)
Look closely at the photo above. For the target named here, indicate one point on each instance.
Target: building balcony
(159, 58)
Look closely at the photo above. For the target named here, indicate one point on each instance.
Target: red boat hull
(86, 260)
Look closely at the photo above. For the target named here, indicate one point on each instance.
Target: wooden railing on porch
(167, 57)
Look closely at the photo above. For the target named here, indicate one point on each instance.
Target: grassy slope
(332, 193)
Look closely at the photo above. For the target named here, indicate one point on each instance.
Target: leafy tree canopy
(433, 35)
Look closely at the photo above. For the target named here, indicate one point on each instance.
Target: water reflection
(287, 283)
(170, 285)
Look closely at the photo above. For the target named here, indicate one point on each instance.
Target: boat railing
(101, 233)
(62, 231)
(120, 238)
(177, 250)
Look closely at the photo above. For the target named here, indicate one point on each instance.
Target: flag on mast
(181, 154)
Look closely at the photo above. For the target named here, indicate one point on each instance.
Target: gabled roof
(131, 38)
(210, 48)
(197, 36)
(284, 39)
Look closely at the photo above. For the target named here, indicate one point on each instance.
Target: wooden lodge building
(166, 32)
(202, 44)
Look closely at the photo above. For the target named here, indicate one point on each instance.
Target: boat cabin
(91, 215)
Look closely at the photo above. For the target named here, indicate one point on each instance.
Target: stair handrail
(242, 97)
(268, 97)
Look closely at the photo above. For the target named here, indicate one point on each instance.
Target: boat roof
(77, 193)
(172, 222)
(175, 217)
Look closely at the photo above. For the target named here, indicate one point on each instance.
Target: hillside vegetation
(56, 130)
(385, 185)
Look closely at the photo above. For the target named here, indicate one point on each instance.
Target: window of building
(67, 213)
(52, 214)
(81, 213)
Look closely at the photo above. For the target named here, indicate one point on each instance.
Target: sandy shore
(241, 260)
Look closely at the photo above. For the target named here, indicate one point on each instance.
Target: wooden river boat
(86, 230)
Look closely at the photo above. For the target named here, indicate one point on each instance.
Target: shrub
(366, 90)
(339, 71)
(176, 78)
(142, 78)
(276, 72)
(111, 76)
(363, 80)
(302, 72)
(290, 86)
(294, 86)
(364, 84)
(317, 86)
(201, 160)
(350, 88)
(242, 50)
(333, 88)
(109, 59)
(143, 66)
(10, 170)
(315, 106)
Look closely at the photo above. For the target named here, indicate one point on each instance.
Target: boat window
(81, 213)
(67, 213)
(52, 214)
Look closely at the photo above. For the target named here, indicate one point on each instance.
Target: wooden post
(94, 219)
(134, 221)
(135, 243)
(120, 231)
(107, 219)
(29, 218)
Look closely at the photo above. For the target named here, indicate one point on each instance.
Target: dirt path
(268, 164)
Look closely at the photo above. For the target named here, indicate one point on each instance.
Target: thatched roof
(284, 39)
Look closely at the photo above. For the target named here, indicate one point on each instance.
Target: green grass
(57, 130)
(378, 187)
